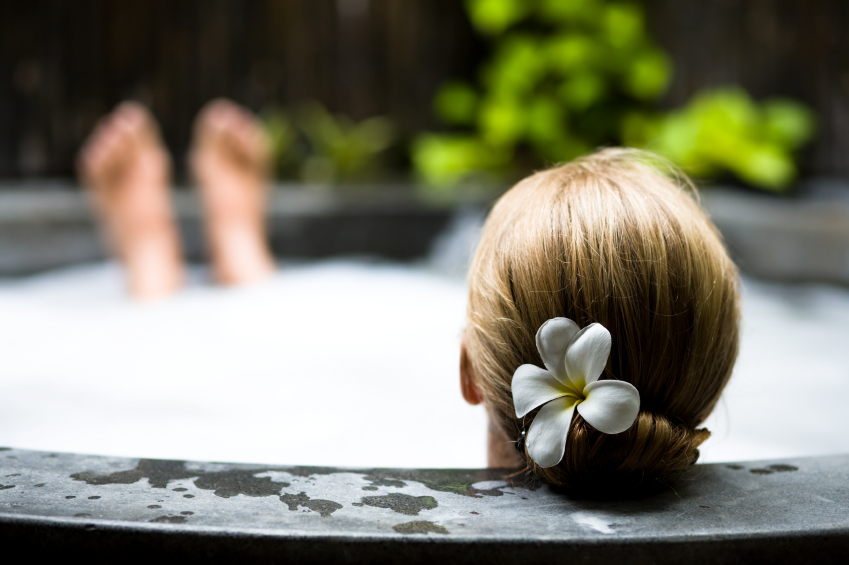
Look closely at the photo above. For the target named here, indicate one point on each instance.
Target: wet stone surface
(324, 507)
(402, 503)
(767, 497)
(419, 527)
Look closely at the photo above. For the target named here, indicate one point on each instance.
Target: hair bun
(649, 456)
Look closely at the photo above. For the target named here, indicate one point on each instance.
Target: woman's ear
(471, 392)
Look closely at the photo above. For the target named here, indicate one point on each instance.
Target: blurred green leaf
(456, 103)
(639, 127)
(623, 24)
(516, 67)
(648, 75)
(282, 136)
(563, 149)
(546, 120)
(501, 121)
(492, 17)
(570, 11)
(571, 52)
(679, 140)
(340, 148)
(373, 135)
(444, 160)
(766, 167)
(725, 109)
(788, 121)
(582, 90)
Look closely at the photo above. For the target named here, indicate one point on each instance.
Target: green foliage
(566, 76)
(494, 16)
(725, 130)
(321, 148)
(456, 103)
(449, 157)
(283, 136)
(560, 72)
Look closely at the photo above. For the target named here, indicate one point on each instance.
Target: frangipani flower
(575, 359)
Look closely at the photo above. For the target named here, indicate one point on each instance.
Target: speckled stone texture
(56, 505)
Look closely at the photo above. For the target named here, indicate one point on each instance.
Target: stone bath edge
(794, 510)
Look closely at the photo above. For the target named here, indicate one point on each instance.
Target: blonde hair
(617, 238)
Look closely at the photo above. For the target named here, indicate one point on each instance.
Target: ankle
(154, 266)
(240, 255)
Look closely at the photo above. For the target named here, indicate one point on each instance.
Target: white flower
(575, 359)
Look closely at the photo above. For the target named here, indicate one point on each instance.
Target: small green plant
(318, 147)
(285, 151)
(725, 130)
(566, 76)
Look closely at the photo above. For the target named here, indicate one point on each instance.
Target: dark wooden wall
(63, 63)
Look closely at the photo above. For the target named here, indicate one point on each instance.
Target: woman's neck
(501, 450)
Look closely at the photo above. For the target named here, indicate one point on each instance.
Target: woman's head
(608, 238)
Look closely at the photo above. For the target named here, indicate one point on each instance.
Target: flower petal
(547, 435)
(553, 337)
(534, 387)
(587, 355)
(611, 406)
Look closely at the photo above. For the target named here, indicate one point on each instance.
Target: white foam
(788, 394)
(326, 364)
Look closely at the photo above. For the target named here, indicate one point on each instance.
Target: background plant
(566, 76)
(725, 130)
(317, 147)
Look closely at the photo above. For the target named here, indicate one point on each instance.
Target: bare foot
(230, 161)
(126, 168)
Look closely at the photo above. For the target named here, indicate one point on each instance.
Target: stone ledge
(45, 225)
(48, 225)
(793, 511)
(787, 239)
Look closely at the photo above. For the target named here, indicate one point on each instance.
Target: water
(790, 386)
(349, 363)
(334, 363)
